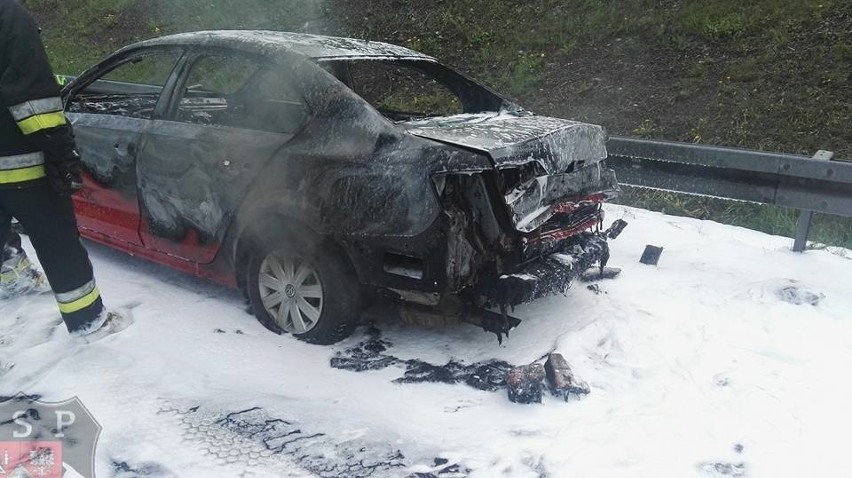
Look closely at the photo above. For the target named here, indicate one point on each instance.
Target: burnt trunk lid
(570, 178)
(512, 140)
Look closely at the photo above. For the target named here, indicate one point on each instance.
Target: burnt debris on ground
(489, 375)
(561, 379)
(443, 469)
(651, 255)
(799, 295)
(600, 273)
(221, 331)
(524, 383)
(123, 469)
(723, 469)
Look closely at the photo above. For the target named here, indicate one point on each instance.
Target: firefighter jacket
(33, 127)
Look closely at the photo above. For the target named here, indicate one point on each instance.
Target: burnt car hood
(513, 139)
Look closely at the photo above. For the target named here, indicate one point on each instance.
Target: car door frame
(97, 221)
(192, 246)
(123, 56)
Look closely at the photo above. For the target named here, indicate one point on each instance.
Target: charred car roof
(317, 47)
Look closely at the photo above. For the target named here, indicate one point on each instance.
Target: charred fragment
(500, 324)
(549, 274)
(651, 255)
(372, 354)
(599, 273)
(524, 383)
(561, 379)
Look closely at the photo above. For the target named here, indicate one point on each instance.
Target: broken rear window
(408, 89)
(400, 92)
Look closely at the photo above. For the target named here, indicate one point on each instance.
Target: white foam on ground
(688, 362)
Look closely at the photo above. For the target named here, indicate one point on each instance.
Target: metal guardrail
(811, 184)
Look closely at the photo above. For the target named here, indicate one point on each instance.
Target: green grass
(774, 75)
(831, 230)
(69, 29)
(78, 33)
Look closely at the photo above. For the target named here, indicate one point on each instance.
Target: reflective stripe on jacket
(35, 115)
(31, 109)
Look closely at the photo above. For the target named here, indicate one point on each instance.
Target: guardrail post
(803, 229)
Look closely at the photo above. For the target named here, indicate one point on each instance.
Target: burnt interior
(133, 106)
(403, 90)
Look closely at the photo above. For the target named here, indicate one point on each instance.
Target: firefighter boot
(108, 323)
(18, 276)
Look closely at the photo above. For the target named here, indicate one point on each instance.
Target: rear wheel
(301, 287)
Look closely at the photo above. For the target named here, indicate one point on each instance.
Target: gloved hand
(62, 161)
(65, 175)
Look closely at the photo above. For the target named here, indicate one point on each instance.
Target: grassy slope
(773, 75)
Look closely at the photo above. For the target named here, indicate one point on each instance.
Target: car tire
(302, 286)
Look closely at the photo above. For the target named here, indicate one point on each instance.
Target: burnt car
(323, 174)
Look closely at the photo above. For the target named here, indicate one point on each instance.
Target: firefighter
(39, 170)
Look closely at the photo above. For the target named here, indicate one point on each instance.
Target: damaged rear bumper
(553, 273)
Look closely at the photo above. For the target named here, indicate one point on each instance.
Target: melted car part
(455, 307)
(535, 201)
(551, 274)
(599, 273)
(475, 239)
(136, 106)
(498, 324)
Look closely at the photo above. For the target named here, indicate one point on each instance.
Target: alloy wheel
(291, 292)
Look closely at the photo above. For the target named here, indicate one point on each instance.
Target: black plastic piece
(651, 255)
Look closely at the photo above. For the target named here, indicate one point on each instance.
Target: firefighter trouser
(51, 225)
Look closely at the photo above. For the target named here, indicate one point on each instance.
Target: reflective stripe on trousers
(78, 299)
(21, 167)
(80, 306)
